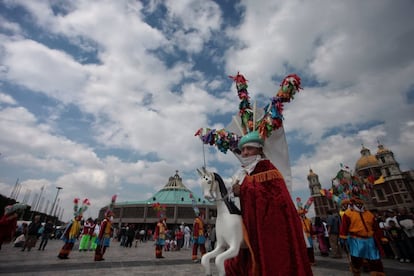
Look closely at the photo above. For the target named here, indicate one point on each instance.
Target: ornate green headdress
(261, 123)
(264, 125)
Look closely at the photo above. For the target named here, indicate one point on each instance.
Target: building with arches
(391, 189)
(177, 199)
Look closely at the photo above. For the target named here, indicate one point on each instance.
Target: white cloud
(4, 98)
(356, 65)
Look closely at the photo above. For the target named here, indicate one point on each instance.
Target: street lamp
(54, 202)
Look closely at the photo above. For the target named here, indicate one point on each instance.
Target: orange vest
(356, 226)
(307, 226)
(198, 227)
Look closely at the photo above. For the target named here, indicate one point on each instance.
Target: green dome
(174, 192)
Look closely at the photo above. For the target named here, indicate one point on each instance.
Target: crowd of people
(195, 237)
(339, 235)
(86, 232)
(363, 236)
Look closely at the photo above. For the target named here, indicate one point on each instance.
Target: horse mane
(220, 181)
(233, 209)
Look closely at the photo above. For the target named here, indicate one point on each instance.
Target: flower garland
(271, 120)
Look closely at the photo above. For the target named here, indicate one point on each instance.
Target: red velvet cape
(7, 228)
(273, 226)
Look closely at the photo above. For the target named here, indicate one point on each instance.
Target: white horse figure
(229, 224)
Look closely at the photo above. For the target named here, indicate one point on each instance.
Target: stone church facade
(392, 189)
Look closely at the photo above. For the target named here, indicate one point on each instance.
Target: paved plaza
(140, 261)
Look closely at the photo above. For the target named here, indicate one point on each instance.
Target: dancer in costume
(308, 232)
(159, 236)
(198, 237)
(362, 235)
(160, 230)
(86, 235)
(103, 240)
(267, 211)
(270, 218)
(8, 222)
(345, 205)
(94, 232)
(72, 230)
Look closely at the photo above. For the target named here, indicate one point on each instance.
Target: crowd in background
(396, 225)
(178, 237)
(28, 235)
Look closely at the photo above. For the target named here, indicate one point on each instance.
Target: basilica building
(391, 189)
(177, 199)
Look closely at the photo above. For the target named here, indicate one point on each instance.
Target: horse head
(229, 225)
(208, 184)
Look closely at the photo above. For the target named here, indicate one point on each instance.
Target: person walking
(187, 237)
(267, 210)
(130, 235)
(198, 237)
(103, 240)
(333, 222)
(271, 223)
(308, 234)
(72, 230)
(32, 233)
(94, 234)
(179, 237)
(160, 236)
(319, 231)
(86, 235)
(360, 233)
(47, 231)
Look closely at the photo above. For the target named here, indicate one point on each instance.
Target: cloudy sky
(104, 97)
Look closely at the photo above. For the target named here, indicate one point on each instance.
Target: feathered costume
(160, 229)
(273, 226)
(362, 235)
(198, 236)
(103, 240)
(72, 230)
(87, 231)
(307, 227)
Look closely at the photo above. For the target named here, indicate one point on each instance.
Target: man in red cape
(273, 226)
(8, 222)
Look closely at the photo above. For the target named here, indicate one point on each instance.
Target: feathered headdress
(303, 209)
(263, 126)
(160, 209)
(109, 211)
(78, 211)
(250, 120)
(346, 186)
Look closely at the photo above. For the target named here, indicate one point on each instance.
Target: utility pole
(36, 207)
(54, 202)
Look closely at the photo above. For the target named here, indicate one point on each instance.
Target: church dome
(175, 192)
(366, 160)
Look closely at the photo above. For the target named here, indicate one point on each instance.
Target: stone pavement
(140, 261)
